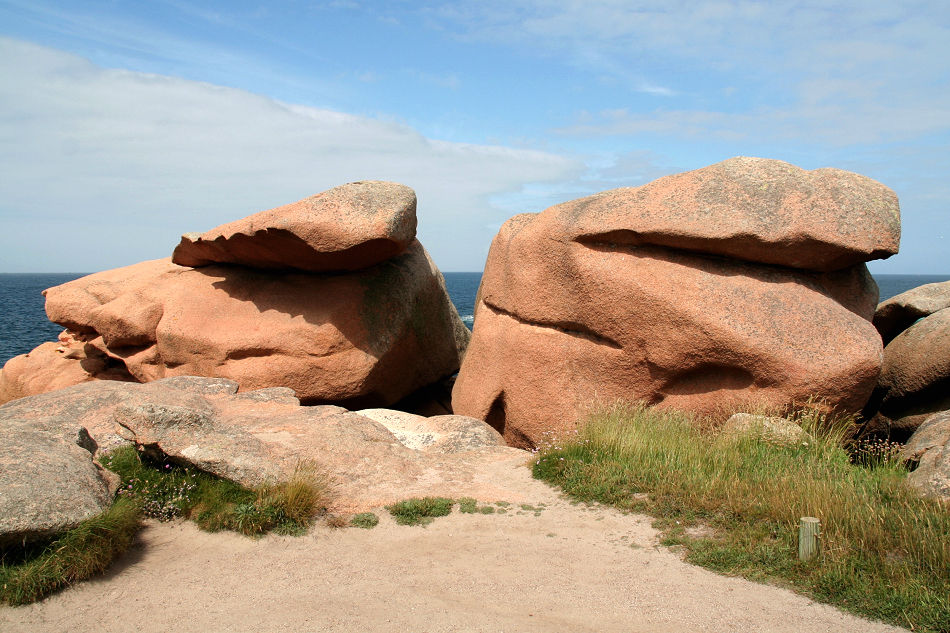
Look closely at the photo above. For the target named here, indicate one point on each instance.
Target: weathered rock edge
(264, 435)
(738, 284)
(49, 482)
(346, 228)
(929, 449)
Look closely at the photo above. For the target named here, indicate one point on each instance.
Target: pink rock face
(753, 209)
(367, 338)
(915, 377)
(51, 366)
(571, 314)
(346, 228)
(900, 312)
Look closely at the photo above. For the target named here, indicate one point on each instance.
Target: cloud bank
(104, 168)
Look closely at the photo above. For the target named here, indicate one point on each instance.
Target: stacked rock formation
(915, 377)
(331, 296)
(743, 281)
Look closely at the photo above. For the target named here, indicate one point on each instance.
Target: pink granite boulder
(349, 227)
(369, 338)
(741, 282)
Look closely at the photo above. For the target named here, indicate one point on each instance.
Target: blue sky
(124, 124)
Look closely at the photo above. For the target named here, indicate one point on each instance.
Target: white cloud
(104, 167)
(841, 71)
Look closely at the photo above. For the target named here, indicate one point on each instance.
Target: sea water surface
(23, 322)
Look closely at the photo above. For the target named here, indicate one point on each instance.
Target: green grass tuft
(420, 511)
(166, 490)
(77, 554)
(365, 520)
(162, 491)
(885, 552)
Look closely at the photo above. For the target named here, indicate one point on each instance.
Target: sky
(124, 124)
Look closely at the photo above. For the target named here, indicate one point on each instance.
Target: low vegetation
(365, 520)
(468, 505)
(166, 490)
(161, 491)
(733, 504)
(30, 573)
(420, 511)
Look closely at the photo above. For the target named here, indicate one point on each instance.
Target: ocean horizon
(23, 322)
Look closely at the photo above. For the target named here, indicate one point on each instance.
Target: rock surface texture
(367, 337)
(900, 312)
(929, 449)
(264, 435)
(346, 228)
(766, 428)
(743, 281)
(49, 366)
(48, 480)
(915, 378)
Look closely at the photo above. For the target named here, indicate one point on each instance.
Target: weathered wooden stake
(809, 531)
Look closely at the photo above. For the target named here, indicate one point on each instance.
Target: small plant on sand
(884, 550)
(365, 520)
(467, 505)
(37, 570)
(420, 511)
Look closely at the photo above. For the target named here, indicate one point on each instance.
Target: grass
(162, 491)
(28, 574)
(420, 511)
(885, 552)
(365, 520)
(468, 505)
(166, 490)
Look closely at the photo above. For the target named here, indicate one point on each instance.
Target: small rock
(768, 428)
(49, 482)
(929, 449)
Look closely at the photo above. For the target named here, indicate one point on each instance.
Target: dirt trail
(566, 568)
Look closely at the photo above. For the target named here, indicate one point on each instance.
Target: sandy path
(569, 568)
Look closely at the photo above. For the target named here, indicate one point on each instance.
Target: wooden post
(809, 531)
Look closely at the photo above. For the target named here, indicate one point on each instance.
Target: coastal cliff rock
(50, 366)
(370, 336)
(740, 282)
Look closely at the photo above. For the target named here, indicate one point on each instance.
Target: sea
(23, 322)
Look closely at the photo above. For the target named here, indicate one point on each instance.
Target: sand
(564, 568)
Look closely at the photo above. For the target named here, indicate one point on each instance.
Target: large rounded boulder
(740, 282)
(332, 297)
(915, 378)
